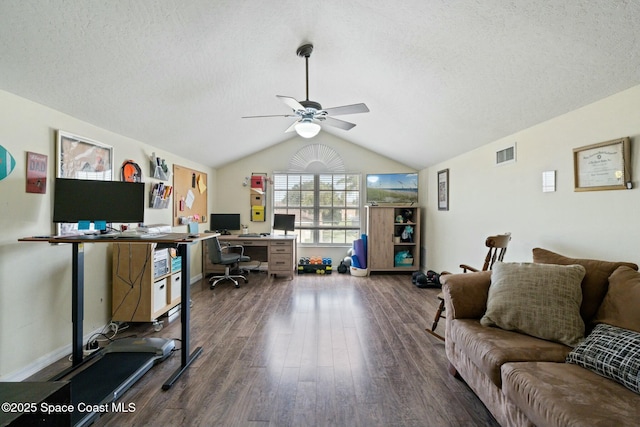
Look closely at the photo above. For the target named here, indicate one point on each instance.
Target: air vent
(506, 155)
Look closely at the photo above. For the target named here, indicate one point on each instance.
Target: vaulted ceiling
(440, 77)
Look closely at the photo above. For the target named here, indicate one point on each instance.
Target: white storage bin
(159, 294)
(176, 286)
(359, 272)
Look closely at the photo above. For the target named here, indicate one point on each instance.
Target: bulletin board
(190, 195)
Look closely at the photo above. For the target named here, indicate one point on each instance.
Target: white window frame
(311, 231)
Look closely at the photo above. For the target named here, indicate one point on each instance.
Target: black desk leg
(77, 301)
(185, 314)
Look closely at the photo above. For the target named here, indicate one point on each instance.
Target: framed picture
(443, 190)
(602, 166)
(81, 158)
(36, 173)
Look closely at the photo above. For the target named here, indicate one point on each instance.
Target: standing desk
(183, 242)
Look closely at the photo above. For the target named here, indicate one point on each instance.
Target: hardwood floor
(330, 350)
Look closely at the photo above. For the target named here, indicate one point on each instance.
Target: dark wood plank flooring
(330, 350)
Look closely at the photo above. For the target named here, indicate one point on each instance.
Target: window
(326, 205)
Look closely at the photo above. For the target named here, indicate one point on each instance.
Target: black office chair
(221, 255)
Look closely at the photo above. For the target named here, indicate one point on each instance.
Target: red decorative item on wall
(36, 173)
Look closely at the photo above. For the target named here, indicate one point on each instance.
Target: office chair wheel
(212, 286)
(237, 285)
(158, 325)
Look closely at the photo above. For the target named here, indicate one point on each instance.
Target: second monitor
(284, 222)
(224, 223)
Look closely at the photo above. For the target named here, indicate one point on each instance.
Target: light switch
(548, 181)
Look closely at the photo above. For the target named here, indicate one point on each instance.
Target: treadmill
(112, 372)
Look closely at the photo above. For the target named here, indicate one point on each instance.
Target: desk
(182, 241)
(279, 252)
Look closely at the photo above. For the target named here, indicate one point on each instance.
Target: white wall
(232, 197)
(35, 278)
(487, 199)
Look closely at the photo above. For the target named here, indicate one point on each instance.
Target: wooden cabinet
(282, 256)
(393, 238)
(146, 281)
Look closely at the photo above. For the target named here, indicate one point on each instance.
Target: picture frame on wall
(83, 158)
(36, 173)
(443, 190)
(603, 166)
(78, 157)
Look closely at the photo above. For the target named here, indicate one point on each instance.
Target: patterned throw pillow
(542, 300)
(611, 352)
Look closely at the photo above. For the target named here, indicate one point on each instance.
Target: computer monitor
(223, 223)
(284, 222)
(77, 200)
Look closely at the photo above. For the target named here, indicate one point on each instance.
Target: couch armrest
(465, 294)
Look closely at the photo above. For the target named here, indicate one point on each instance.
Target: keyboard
(152, 235)
(101, 236)
(250, 235)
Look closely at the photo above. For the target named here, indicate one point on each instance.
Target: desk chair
(220, 255)
(497, 249)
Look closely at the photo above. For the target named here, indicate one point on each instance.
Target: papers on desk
(154, 228)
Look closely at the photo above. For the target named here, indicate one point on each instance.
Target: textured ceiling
(440, 77)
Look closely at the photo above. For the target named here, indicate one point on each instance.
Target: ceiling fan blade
(292, 103)
(347, 109)
(337, 123)
(274, 115)
(292, 127)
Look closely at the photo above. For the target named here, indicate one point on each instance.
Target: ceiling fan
(310, 114)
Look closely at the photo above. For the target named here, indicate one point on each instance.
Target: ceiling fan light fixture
(307, 129)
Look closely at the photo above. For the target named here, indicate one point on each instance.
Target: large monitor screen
(392, 188)
(284, 222)
(223, 223)
(78, 200)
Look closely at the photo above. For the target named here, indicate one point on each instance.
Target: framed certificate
(602, 166)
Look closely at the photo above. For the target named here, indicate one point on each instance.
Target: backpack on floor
(429, 280)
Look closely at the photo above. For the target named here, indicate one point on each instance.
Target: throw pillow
(621, 303)
(537, 299)
(594, 284)
(611, 352)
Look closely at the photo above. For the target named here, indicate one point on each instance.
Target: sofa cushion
(561, 394)
(620, 305)
(490, 348)
(537, 299)
(611, 352)
(595, 282)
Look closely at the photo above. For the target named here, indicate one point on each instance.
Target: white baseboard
(45, 360)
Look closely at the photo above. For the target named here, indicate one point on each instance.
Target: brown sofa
(525, 380)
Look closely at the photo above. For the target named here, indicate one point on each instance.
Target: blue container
(176, 264)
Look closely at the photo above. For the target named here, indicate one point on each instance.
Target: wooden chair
(497, 249)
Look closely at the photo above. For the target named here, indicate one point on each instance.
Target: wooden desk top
(118, 238)
(245, 237)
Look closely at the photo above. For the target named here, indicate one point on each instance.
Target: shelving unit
(146, 282)
(385, 226)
